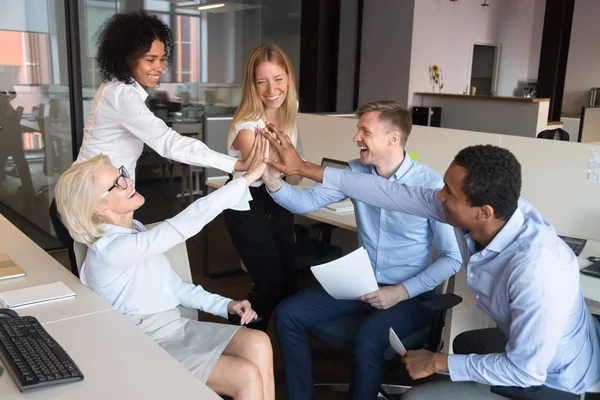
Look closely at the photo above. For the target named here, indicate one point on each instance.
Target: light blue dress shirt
(526, 279)
(399, 244)
(129, 269)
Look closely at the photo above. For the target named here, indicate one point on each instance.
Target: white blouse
(129, 269)
(119, 124)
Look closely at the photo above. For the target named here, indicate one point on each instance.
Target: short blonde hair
(392, 114)
(77, 199)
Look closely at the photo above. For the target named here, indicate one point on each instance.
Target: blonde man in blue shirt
(523, 275)
(399, 248)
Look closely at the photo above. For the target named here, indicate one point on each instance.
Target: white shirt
(119, 124)
(129, 269)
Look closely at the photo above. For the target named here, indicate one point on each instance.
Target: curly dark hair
(125, 38)
(493, 177)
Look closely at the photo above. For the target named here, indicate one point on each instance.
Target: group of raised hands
(272, 153)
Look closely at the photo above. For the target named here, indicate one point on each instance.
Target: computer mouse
(8, 313)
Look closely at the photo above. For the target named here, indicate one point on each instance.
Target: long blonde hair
(251, 107)
(77, 198)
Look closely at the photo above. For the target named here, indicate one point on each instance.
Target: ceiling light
(211, 6)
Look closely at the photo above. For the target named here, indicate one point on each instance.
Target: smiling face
(118, 201)
(271, 84)
(374, 140)
(457, 208)
(148, 68)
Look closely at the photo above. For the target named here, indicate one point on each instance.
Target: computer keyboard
(32, 356)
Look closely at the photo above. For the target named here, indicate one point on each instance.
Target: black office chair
(552, 133)
(313, 245)
(63, 235)
(339, 333)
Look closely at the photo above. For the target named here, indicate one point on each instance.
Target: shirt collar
(508, 233)
(110, 229)
(401, 171)
(139, 89)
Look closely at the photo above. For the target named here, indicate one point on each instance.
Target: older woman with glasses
(126, 265)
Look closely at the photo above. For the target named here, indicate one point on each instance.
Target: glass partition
(35, 124)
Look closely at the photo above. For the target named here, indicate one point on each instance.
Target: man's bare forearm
(311, 171)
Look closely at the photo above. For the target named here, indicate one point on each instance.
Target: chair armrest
(442, 303)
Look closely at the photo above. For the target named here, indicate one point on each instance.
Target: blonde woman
(126, 265)
(264, 236)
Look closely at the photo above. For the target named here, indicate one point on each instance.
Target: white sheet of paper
(400, 349)
(396, 343)
(347, 278)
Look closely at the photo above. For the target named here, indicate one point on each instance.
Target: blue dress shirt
(398, 244)
(526, 279)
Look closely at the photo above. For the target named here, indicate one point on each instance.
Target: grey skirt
(195, 344)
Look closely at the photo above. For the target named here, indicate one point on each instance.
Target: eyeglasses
(120, 182)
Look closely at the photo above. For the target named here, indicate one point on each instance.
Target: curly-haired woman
(133, 50)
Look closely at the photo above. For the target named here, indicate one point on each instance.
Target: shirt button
(471, 275)
(477, 296)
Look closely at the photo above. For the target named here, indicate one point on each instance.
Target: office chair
(552, 133)
(540, 392)
(339, 333)
(314, 251)
(64, 237)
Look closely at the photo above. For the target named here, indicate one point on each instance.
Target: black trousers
(264, 239)
(492, 340)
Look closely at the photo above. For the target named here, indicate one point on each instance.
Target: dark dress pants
(297, 314)
(264, 239)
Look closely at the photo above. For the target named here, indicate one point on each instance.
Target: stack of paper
(347, 278)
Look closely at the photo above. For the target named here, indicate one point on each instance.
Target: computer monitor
(330, 162)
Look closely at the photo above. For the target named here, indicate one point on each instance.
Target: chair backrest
(80, 250)
(551, 134)
(178, 257)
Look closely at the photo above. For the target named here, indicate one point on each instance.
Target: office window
(35, 133)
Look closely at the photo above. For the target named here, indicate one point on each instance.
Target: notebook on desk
(35, 295)
(9, 268)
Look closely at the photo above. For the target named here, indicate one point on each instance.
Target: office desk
(118, 361)
(590, 286)
(41, 268)
(343, 220)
